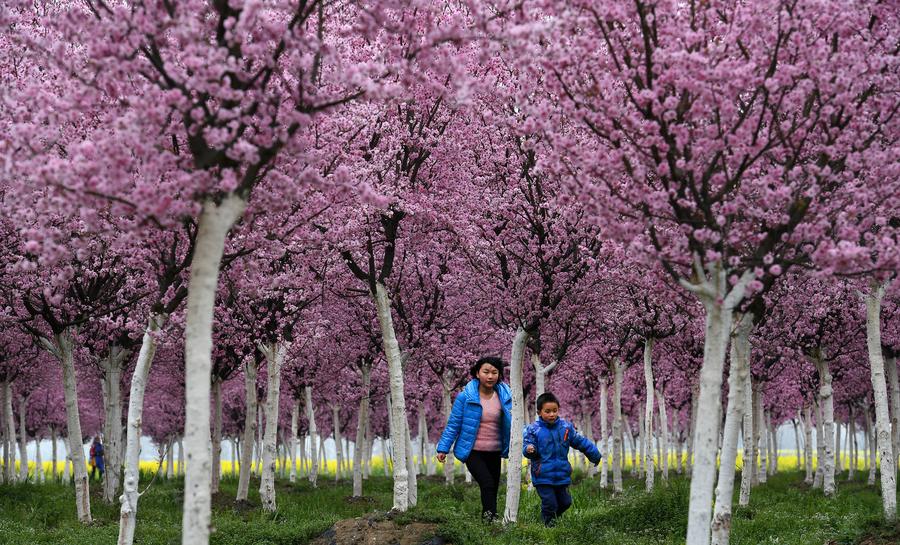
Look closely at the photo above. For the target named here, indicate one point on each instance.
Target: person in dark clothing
(546, 442)
(97, 455)
(478, 430)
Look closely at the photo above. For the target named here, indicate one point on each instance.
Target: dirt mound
(379, 529)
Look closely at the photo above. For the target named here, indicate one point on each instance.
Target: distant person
(479, 427)
(97, 463)
(547, 441)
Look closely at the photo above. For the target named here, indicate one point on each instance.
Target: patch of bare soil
(379, 529)
(883, 536)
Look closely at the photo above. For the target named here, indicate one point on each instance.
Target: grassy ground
(784, 511)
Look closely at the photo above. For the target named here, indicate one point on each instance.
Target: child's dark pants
(485, 469)
(554, 501)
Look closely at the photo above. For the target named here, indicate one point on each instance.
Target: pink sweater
(488, 438)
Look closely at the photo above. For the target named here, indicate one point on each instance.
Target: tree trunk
(820, 446)
(274, 354)
(663, 435)
(181, 467)
(871, 440)
(797, 441)
(826, 401)
(53, 456)
(398, 398)
(411, 468)
(61, 346)
(718, 329)
(250, 424)
(38, 461)
(763, 434)
(514, 474)
(882, 419)
(890, 366)
(23, 440)
(446, 405)
(851, 431)
(132, 475)
(604, 468)
(362, 419)
(338, 450)
(235, 449)
(313, 436)
(216, 435)
(807, 443)
(170, 459)
(111, 383)
(648, 416)
(212, 228)
(838, 463)
(737, 405)
(292, 446)
(749, 404)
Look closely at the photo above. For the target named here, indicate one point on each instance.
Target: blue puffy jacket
(465, 418)
(551, 450)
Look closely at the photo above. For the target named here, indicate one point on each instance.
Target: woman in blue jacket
(479, 427)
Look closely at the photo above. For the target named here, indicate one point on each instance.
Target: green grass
(783, 511)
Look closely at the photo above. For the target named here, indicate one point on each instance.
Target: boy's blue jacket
(465, 418)
(551, 450)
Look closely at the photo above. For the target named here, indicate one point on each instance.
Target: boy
(547, 441)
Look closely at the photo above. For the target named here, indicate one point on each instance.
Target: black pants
(485, 469)
(554, 501)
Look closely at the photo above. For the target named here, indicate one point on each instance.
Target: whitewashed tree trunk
(807, 443)
(251, 368)
(679, 444)
(540, 374)
(338, 449)
(604, 467)
(212, 228)
(292, 447)
(421, 439)
(890, 366)
(38, 461)
(446, 406)
(411, 468)
(737, 405)
(362, 423)
(719, 309)
(111, 382)
(181, 466)
(851, 431)
(797, 440)
(749, 404)
(514, 474)
(67, 470)
(695, 402)
(216, 435)
(53, 454)
(313, 436)
(826, 402)
(773, 445)
(820, 446)
(647, 430)
(274, 354)
(632, 447)
(763, 435)
(882, 419)
(386, 457)
(132, 473)
(23, 440)
(235, 449)
(170, 458)
(61, 347)
(838, 463)
(871, 440)
(398, 398)
(663, 434)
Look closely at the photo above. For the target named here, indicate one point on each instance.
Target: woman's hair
(493, 361)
